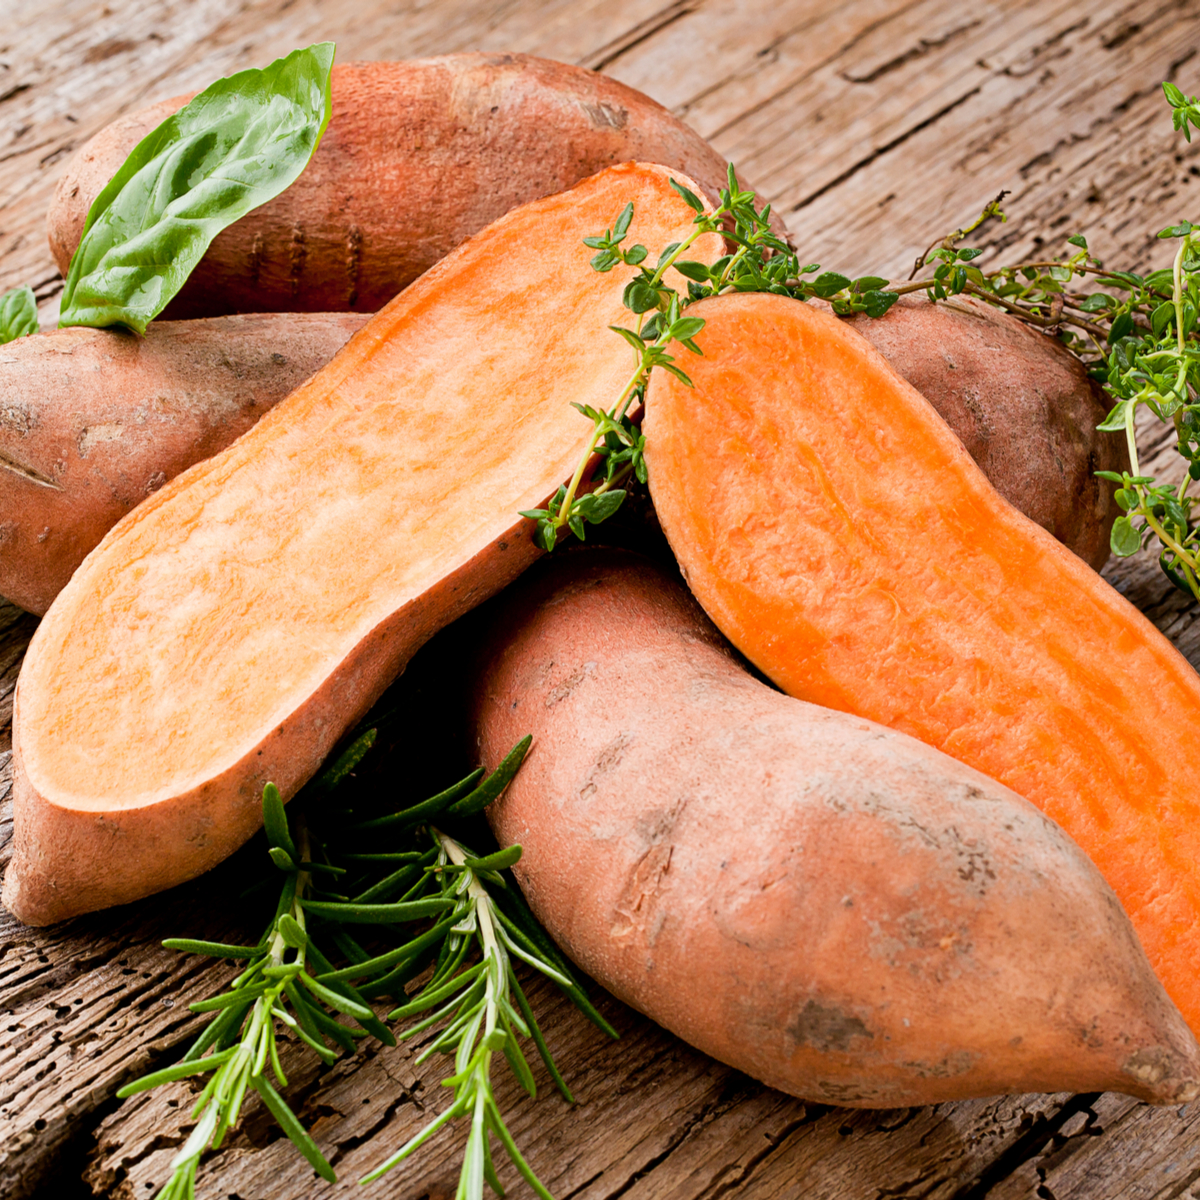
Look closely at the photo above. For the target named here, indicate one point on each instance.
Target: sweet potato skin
(418, 156)
(834, 908)
(1020, 402)
(95, 420)
(858, 557)
(229, 629)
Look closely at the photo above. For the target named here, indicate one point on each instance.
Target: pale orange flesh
(240, 619)
(845, 542)
(96, 420)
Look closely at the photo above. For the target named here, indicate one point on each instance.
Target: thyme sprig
(342, 872)
(1135, 333)
(758, 260)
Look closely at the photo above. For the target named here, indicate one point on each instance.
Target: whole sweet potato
(417, 157)
(95, 420)
(1020, 402)
(859, 558)
(835, 908)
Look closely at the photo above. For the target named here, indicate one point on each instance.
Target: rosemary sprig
(382, 873)
(486, 1012)
(277, 988)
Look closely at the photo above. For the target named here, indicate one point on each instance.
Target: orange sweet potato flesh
(230, 628)
(846, 543)
(1020, 402)
(835, 908)
(418, 156)
(95, 420)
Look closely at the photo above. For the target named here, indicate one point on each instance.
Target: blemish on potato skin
(825, 1028)
(20, 418)
(605, 116)
(565, 688)
(632, 911)
(957, 1063)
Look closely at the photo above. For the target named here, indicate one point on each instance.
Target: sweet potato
(847, 544)
(1021, 403)
(418, 156)
(229, 629)
(835, 908)
(95, 420)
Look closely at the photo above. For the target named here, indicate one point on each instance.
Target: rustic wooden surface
(873, 125)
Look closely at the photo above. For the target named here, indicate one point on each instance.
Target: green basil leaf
(18, 314)
(238, 144)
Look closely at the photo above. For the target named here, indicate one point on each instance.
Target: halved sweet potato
(846, 543)
(418, 156)
(835, 908)
(1021, 403)
(230, 628)
(95, 420)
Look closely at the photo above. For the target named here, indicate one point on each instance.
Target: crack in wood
(814, 69)
(746, 1171)
(920, 50)
(883, 150)
(608, 54)
(1027, 1147)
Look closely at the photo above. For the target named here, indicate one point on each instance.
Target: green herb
(18, 314)
(761, 261)
(235, 146)
(1137, 334)
(486, 1012)
(339, 879)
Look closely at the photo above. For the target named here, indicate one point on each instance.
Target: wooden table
(874, 126)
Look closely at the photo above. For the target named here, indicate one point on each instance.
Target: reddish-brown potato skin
(417, 157)
(832, 907)
(1020, 402)
(95, 420)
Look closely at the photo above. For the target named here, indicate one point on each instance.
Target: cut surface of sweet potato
(231, 627)
(96, 420)
(845, 542)
(835, 908)
(1020, 402)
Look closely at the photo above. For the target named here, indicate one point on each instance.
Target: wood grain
(874, 125)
